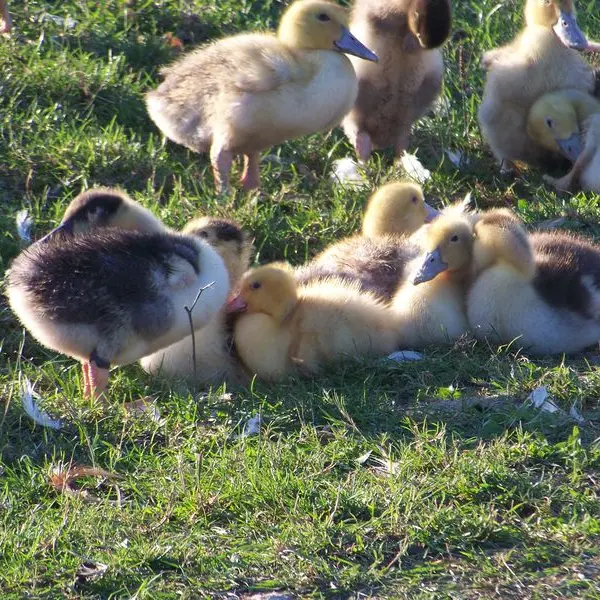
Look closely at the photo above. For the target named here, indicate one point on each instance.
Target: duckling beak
(571, 147)
(66, 228)
(568, 31)
(236, 304)
(431, 213)
(432, 266)
(348, 44)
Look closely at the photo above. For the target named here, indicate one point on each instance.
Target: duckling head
(269, 289)
(430, 21)
(449, 246)
(105, 207)
(397, 208)
(552, 123)
(501, 236)
(319, 25)
(228, 239)
(560, 16)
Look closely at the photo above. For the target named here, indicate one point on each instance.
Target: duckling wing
(378, 265)
(103, 277)
(265, 67)
(568, 272)
(246, 63)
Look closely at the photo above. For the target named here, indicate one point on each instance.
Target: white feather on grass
(405, 356)
(414, 169)
(33, 410)
(348, 173)
(251, 427)
(457, 158)
(24, 224)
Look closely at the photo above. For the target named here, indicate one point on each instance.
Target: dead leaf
(62, 478)
(173, 41)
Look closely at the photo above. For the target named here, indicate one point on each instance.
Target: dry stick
(189, 314)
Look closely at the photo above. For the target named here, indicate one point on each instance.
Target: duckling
(287, 328)
(377, 258)
(430, 303)
(541, 59)
(215, 358)
(396, 208)
(557, 121)
(228, 238)
(244, 93)
(111, 296)
(393, 94)
(541, 292)
(106, 207)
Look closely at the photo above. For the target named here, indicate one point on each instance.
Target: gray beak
(571, 147)
(432, 266)
(432, 213)
(66, 228)
(348, 44)
(568, 31)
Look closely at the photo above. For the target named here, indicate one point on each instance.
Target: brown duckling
(286, 328)
(401, 87)
(247, 92)
(109, 297)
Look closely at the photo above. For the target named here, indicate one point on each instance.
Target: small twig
(189, 311)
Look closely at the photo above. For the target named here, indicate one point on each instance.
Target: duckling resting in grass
(430, 303)
(401, 87)
(111, 296)
(245, 93)
(215, 360)
(286, 328)
(558, 121)
(377, 258)
(106, 207)
(540, 60)
(540, 292)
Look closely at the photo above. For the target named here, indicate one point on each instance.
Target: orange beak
(236, 304)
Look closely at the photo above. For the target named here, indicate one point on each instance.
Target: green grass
(418, 480)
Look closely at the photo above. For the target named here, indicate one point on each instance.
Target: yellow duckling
(393, 94)
(245, 93)
(213, 344)
(377, 258)
(286, 327)
(543, 58)
(110, 296)
(396, 208)
(430, 303)
(538, 292)
(558, 121)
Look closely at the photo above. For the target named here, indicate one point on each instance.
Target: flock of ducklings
(112, 284)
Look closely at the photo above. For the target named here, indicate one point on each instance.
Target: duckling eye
(414, 199)
(323, 17)
(203, 234)
(255, 285)
(454, 238)
(549, 123)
